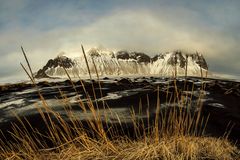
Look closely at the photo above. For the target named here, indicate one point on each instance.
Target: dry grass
(172, 148)
(175, 136)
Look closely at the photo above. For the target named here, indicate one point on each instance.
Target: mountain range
(126, 63)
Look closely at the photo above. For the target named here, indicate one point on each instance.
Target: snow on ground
(11, 102)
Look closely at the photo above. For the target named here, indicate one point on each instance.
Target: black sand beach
(219, 100)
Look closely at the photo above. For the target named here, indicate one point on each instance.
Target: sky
(47, 27)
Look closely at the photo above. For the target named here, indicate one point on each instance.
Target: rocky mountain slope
(126, 63)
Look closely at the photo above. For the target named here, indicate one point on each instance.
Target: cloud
(151, 30)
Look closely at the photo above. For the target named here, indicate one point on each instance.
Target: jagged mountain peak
(136, 56)
(199, 59)
(124, 55)
(59, 61)
(180, 58)
(177, 58)
(100, 51)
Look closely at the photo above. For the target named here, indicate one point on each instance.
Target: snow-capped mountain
(126, 63)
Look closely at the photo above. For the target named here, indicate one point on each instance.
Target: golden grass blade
(27, 73)
(85, 57)
(29, 67)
